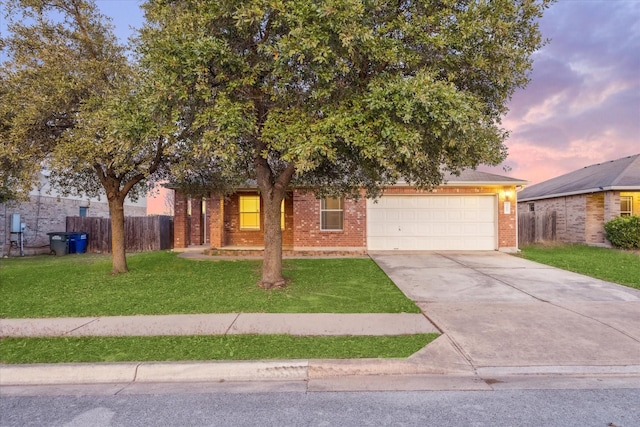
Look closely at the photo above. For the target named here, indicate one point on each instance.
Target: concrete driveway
(499, 310)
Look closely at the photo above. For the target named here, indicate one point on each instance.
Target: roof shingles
(620, 174)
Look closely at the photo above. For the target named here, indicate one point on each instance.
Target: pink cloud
(583, 103)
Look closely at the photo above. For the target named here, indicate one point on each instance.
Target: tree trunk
(272, 188)
(272, 261)
(118, 253)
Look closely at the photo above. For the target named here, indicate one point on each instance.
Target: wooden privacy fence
(536, 227)
(142, 233)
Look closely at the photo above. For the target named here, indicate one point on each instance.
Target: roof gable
(471, 176)
(621, 174)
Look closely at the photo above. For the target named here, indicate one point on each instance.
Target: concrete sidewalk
(312, 324)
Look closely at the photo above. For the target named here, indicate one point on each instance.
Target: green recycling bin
(59, 243)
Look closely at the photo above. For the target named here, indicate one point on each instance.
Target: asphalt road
(584, 408)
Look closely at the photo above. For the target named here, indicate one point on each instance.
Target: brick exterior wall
(197, 228)
(181, 235)
(570, 216)
(594, 218)
(44, 214)
(302, 220)
(507, 222)
(306, 224)
(215, 215)
(581, 218)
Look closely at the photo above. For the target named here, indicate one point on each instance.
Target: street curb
(558, 370)
(101, 373)
(211, 371)
(67, 373)
(223, 371)
(214, 371)
(283, 370)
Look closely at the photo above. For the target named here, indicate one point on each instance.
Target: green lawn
(230, 347)
(612, 265)
(161, 283)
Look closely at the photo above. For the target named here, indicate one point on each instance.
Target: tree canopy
(72, 102)
(342, 94)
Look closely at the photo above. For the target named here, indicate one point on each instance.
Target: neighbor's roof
(619, 175)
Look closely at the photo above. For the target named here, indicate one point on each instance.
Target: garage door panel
(432, 223)
(455, 216)
(390, 230)
(409, 215)
(423, 202)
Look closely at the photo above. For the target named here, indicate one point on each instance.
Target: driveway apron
(503, 311)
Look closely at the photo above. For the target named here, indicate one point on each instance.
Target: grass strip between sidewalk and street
(612, 265)
(185, 348)
(161, 283)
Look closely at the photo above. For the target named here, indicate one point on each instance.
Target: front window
(250, 212)
(331, 214)
(626, 205)
(83, 211)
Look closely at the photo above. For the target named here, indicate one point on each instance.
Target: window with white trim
(626, 205)
(331, 214)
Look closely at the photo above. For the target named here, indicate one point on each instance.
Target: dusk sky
(582, 105)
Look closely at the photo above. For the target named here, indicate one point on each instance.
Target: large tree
(73, 103)
(342, 94)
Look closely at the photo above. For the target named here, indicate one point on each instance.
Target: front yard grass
(161, 283)
(613, 265)
(230, 347)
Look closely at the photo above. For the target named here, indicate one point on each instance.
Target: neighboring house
(585, 199)
(46, 211)
(473, 211)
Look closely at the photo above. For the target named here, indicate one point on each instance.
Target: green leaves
(404, 85)
(624, 231)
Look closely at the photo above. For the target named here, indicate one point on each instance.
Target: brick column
(507, 222)
(180, 220)
(196, 221)
(215, 212)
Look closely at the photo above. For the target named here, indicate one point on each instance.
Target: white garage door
(431, 223)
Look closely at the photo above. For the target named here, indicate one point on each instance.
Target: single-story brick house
(585, 199)
(472, 211)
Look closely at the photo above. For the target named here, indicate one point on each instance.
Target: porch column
(196, 221)
(180, 220)
(215, 213)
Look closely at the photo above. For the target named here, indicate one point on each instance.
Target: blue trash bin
(72, 243)
(77, 243)
(81, 242)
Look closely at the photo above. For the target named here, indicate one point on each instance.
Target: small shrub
(624, 231)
